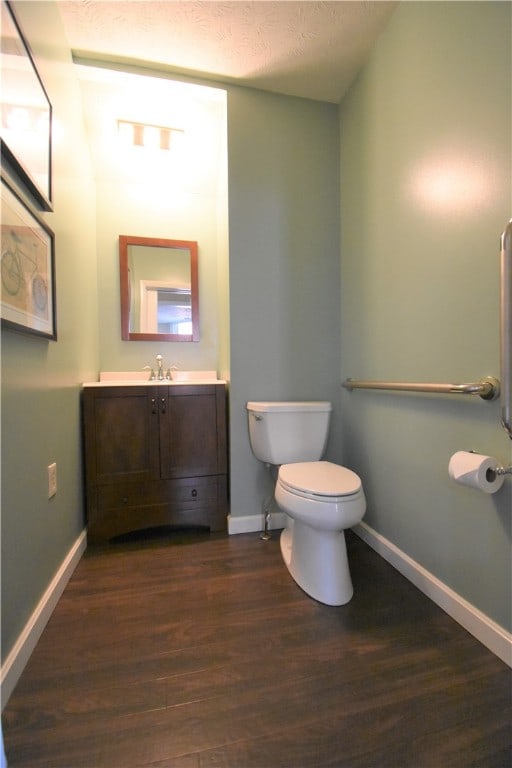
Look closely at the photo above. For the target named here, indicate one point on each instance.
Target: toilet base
(317, 561)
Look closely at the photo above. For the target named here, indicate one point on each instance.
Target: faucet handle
(171, 368)
(151, 372)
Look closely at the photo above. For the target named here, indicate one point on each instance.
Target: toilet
(320, 499)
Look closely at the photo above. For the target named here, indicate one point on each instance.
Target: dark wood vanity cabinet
(155, 455)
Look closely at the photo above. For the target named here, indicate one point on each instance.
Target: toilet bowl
(322, 499)
(319, 498)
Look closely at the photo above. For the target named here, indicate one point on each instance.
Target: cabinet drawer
(202, 490)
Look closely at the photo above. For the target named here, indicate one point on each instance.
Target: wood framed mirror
(159, 289)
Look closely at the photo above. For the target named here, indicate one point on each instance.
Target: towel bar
(506, 329)
(488, 388)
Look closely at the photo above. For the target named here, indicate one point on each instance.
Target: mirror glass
(159, 290)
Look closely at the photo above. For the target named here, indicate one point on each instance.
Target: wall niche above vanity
(159, 289)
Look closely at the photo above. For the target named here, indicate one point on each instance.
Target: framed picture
(27, 298)
(26, 120)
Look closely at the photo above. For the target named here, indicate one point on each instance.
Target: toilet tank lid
(297, 405)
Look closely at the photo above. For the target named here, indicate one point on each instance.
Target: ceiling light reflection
(456, 185)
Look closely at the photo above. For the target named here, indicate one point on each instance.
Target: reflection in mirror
(159, 289)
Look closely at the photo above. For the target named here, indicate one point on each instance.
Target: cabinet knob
(194, 493)
(125, 499)
(163, 405)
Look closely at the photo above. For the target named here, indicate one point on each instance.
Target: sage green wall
(154, 206)
(425, 173)
(41, 379)
(119, 212)
(419, 297)
(284, 267)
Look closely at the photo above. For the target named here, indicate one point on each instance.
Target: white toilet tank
(288, 432)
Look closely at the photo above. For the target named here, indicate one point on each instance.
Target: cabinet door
(192, 432)
(118, 433)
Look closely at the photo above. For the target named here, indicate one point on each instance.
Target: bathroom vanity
(155, 455)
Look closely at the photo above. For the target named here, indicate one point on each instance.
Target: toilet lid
(319, 478)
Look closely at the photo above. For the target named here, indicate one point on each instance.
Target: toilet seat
(319, 480)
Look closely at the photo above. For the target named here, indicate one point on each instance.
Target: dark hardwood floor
(191, 651)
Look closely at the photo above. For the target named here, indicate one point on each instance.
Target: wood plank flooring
(191, 651)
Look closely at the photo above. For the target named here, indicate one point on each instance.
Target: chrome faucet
(168, 374)
(159, 375)
(159, 362)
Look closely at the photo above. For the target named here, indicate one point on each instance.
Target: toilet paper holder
(498, 470)
(478, 471)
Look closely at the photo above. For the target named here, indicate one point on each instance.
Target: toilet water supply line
(267, 506)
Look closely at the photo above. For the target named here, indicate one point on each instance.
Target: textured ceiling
(309, 49)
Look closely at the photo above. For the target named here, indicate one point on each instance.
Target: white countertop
(154, 382)
(141, 378)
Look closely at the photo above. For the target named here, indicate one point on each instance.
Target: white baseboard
(27, 640)
(484, 629)
(252, 523)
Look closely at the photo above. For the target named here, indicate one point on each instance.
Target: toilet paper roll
(476, 471)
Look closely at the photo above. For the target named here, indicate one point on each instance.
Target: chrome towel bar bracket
(488, 388)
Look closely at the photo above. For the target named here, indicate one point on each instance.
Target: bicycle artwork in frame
(27, 298)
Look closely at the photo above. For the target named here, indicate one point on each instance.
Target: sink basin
(124, 376)
(194, 376)
(133, 378)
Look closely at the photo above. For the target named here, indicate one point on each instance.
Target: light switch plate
(52, 480)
